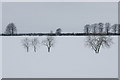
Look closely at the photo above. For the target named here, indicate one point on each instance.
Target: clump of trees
(102, 28)
(49, 42)
(96, 42)
(27, 43)
(11, 29)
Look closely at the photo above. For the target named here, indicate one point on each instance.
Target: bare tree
(35, 43)
(26, 44)
(11, 29)
(100, 27)
(95, 42)
(49, 42)
(107, 28)
(58, 31)
(115, 28)
(94, 28)
(87, 28)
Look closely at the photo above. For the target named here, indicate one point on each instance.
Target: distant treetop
(11, 29)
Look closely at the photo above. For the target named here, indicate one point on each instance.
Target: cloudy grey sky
(45, 16)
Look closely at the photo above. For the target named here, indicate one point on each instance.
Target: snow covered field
(69, 58)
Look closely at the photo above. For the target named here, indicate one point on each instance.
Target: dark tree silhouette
(26, 44)
(87, 28)
(35, 43)
(107, 27)
(115, 28)
(58, 31)
(94, 28)
(11, 29)
(100, 27)
(49, 42)
(96, 42)
(119, 28)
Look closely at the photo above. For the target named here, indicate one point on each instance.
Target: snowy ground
(69, 58)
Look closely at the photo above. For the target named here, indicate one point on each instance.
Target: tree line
(96, 28)
(11, 29)
(49, 42)
(102, 28)
(95, 42)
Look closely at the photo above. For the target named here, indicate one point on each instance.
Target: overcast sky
(45, 16)
(70, 52)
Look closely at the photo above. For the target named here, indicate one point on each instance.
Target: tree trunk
(97, 50)
(27, 49)
(12, 31)
(107, 31)
(34, 49)
(48, 49)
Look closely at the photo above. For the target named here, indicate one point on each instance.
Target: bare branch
(26, 43)
(95, 42)
(35, 43)
(49, 42)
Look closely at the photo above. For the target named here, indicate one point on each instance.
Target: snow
(69, 58)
